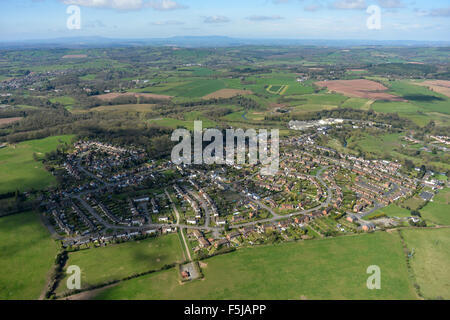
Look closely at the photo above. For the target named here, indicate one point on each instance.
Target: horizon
(400, 20)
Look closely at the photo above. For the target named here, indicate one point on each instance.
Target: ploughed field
(360, 88)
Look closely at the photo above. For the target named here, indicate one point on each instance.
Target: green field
(18, 169)
(421, 96)
(438, 210)
(317, 269)
(431, 255)
(115, 262)
(27, 254)
(175, 123)
(189, 89)
(390, 211)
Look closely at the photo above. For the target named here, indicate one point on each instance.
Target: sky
(294, 19)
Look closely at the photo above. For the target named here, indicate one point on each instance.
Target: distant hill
(202, 41)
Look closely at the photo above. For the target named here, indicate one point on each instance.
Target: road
(174, 207)
(204, 206)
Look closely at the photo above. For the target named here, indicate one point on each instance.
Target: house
(222, 242)
(203, 243)
(233, 235)
(191, 221)
(368, 226)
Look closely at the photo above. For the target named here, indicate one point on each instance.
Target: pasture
(437, 211)
(27, 254)
(317, 269)
(430, 250)
(115, 262)
(18, 168)
(390, 211)
(422, 97)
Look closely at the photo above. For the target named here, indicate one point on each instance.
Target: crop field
(422, 97)
(440, 86)
(437, 211)
(6, 121)
(430, 251)
(27, 254)
(190, 89)
(19, 170)
(64, 100)
(317, 269)
(111, 96)
(176, 123)
(115, 262)
(227, 93)
(120, 108)
(359, 89)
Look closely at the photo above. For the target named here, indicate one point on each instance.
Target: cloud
(349, 4)
(112, 4)
(391, 4)
(94, 24)
(167, 23)
(440, 12)
(160, 5)
(216, 19)
(313, 7)
(165, 5)
(264, 18)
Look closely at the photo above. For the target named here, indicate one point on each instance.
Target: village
(114, 194)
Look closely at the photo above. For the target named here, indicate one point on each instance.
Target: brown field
(440, 86)
(5, 121)
(359, 89)
(227, 93)
(74, 56)
(113, 95)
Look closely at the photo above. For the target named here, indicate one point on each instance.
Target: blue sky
(297, 19)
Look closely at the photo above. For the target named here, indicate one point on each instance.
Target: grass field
(192, 89)
(18, 169)
(99, 265)
(188, 124)
(27, 254)
(143, 108)
(430, 258)
(317, 269)
(438, 210)
(390, 211)
(421, 96)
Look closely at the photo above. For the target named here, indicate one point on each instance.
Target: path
(174, 207)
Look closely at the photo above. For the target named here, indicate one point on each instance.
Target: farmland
(27, 254)
(437, 211)
(390, 211)
(430, 249)
(118, 261)
(322, 269)
(360, 128)
(359, 89)
(18, 168)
